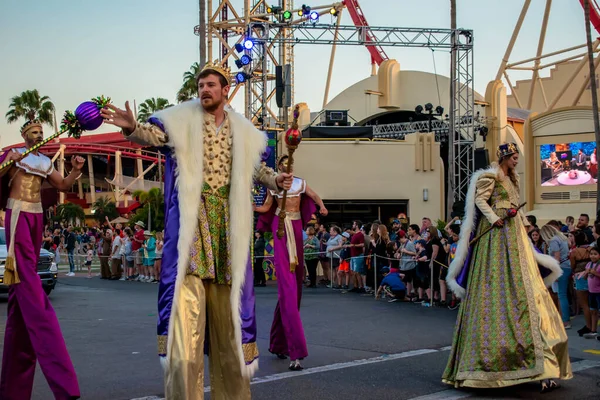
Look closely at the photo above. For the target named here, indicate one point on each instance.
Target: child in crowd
(592, 271)
(344, 269)
(88, 259)
(392, 286)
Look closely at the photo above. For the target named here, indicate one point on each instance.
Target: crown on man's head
(31, 122)
(218, 68)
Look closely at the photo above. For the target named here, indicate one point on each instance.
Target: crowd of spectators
(123, 253)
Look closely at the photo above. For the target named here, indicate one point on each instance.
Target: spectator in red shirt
(357, 259)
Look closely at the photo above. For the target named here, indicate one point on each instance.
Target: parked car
(46, 267)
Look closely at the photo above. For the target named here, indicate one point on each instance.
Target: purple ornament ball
(88, 115)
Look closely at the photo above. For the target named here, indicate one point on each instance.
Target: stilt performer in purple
(286, 217)
(32, 330)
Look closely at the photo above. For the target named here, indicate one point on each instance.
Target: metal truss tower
(267, 31)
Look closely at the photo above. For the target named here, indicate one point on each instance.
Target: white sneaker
(149, 279)
(141, 278)
(70, 274)
(122, 278)
(590, 335)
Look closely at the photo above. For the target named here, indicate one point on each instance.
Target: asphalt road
(358, 348)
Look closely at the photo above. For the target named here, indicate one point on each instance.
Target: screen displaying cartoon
(569, 164)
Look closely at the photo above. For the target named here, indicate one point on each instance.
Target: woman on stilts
(508, 331)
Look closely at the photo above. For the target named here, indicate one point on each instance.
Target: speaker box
(482, 159)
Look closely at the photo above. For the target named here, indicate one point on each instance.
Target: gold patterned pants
(199, 302)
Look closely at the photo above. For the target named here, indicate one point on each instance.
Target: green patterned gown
(508, 330)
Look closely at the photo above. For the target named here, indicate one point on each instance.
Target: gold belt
(24, 206)
(292, 215)
(290, 237)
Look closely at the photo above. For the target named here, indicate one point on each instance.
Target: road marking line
(450, 394)
(326, 368)
(453, 394)
(592, 351)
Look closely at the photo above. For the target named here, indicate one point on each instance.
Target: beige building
(388, 176)
(382, 177)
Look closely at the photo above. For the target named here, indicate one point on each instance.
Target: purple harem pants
(32, 330)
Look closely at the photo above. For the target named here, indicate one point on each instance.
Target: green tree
(103, 208)
(152, 212)
(150, 106)
(30, 105)
(70, 212)
(189, 88)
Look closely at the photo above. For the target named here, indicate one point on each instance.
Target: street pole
(590, 54)
(202, 24)
(452, 114)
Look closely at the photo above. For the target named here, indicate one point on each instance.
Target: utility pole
(452, 131)
(202, 24)
(590, 54)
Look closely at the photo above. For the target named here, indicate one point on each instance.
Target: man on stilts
(32, 330)
(206, 288)
(287, 333)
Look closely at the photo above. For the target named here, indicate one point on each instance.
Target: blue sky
(73, 50)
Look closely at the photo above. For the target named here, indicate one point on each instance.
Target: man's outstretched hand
(123, 119)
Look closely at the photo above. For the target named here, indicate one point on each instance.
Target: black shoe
(454, 305)
(583, 330)
(281, 356)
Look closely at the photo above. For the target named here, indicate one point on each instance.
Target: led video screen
(569, 164)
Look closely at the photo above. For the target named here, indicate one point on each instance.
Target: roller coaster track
(377, 53)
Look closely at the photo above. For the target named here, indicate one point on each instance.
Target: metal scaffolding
(269, 34)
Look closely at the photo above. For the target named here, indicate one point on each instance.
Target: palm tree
(31, 105)
(153, 210)
(70, 212)
(103, 208)
(150, 106)
(189, 89)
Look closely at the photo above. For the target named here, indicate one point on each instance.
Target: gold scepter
(292, 138)
(510, 213)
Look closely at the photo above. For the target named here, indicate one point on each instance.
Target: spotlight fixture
(248, 44)
(245, 59)
(287, 15)
(239, 47)
(241, 77)
(314, 16)
(439, 110)
(419, 109)
(333, 12)
(428, 107)
(305, 9)
(238, 63)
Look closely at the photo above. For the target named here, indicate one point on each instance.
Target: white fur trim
(549, 262)
(185, 126)
(164, 363)
(466, 228)
(248, 145)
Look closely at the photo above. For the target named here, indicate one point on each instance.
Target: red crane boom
(377, 53)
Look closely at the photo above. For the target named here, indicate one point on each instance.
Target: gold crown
(218, 68)
(506, 149)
